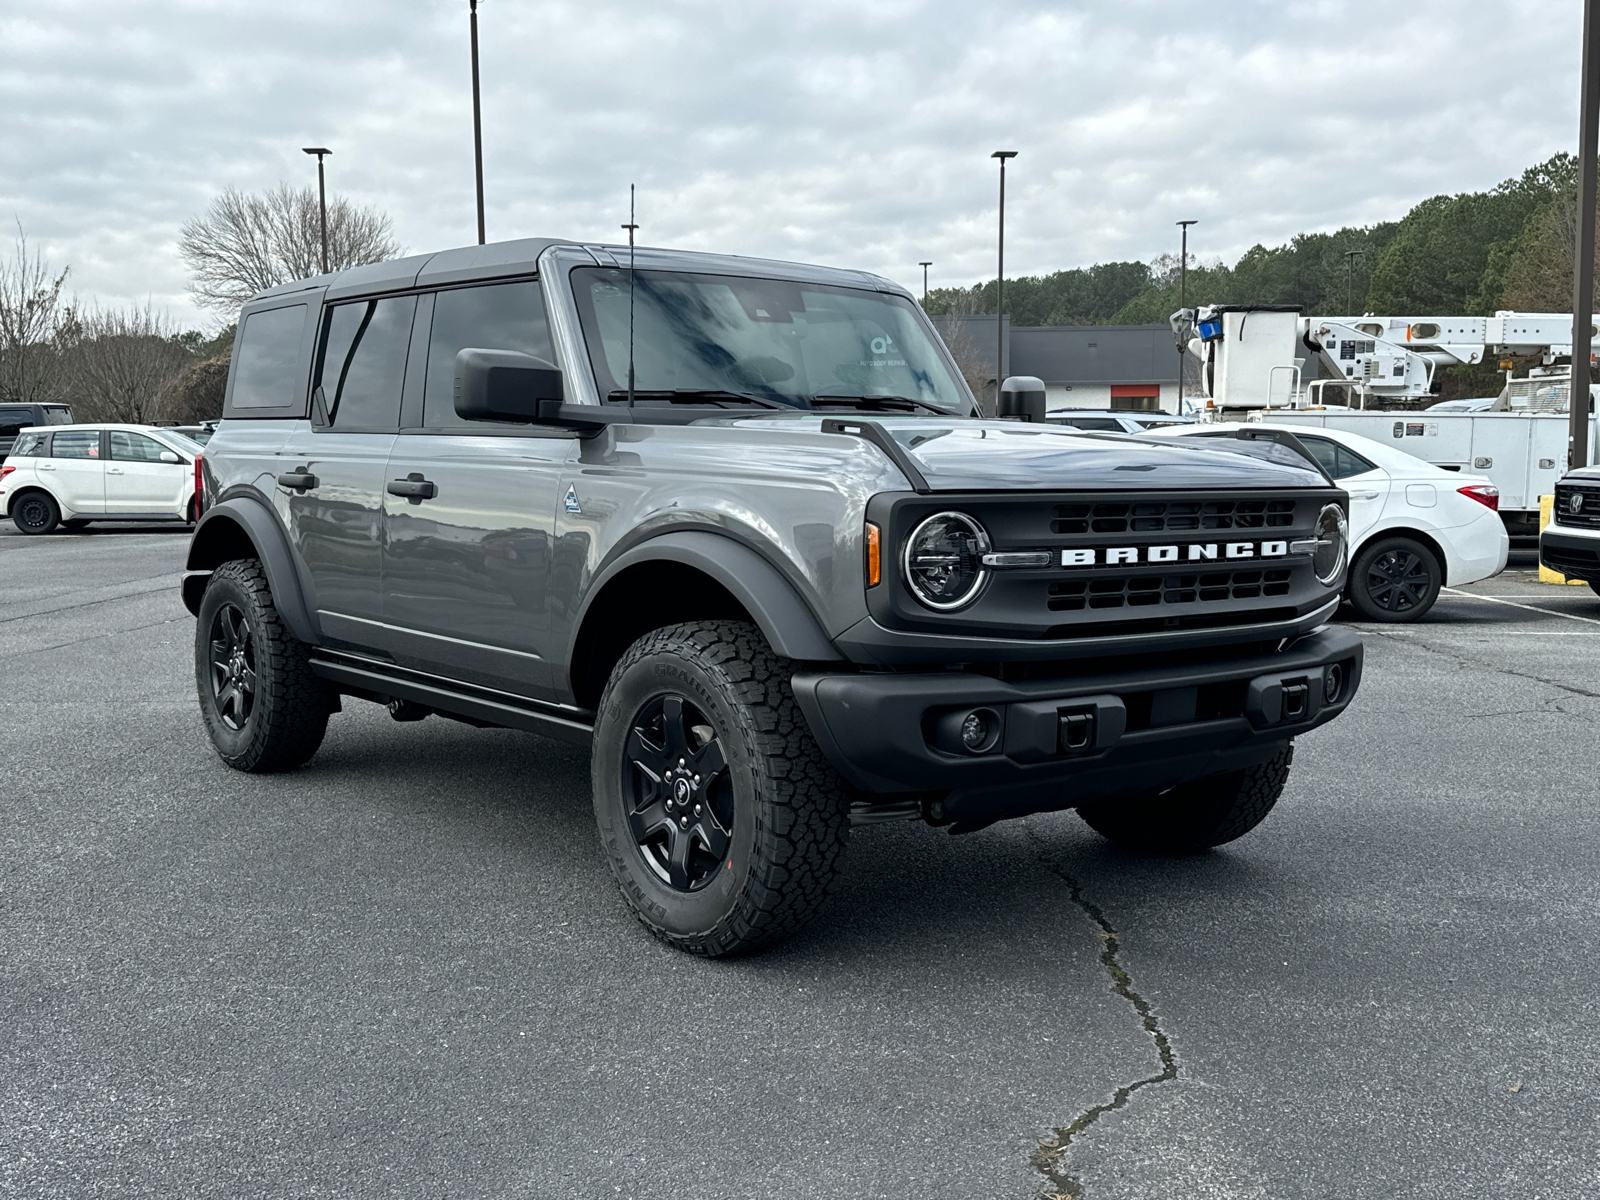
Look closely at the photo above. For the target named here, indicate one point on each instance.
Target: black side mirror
(1022, 398)
(506, 385)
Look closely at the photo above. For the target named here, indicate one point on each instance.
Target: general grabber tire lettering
(263, 707)
(1197, 815)
(722, 821)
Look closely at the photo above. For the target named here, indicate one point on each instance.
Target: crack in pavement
(1049, 1156)
(1463, 659)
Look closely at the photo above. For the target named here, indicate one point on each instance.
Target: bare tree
(196, 395)
(122, 364)
(31, 320)
(246, 243)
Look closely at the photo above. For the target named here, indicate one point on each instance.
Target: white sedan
(1414, 527)
(69, 475)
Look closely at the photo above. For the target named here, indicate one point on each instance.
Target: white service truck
(1254, 362)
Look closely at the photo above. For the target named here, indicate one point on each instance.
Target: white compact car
(69, 475)
(1414, 527)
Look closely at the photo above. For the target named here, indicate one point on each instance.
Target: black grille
(1158, 517)
(1142, 591)
(1588, 517)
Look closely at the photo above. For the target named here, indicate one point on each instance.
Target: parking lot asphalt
(403, 970)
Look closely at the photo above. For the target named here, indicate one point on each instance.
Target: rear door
(138, 481)
(332, 471)
(467, 566)
(75, 470)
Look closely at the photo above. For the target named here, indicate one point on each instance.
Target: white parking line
(1549, 612)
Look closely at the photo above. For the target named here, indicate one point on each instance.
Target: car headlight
(1333, 533)
(944, 560)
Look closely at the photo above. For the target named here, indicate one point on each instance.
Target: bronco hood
(1003, 455)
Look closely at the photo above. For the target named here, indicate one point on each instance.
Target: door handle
(297, 480)
(1364, 495)
(413, 487)
(47, 466)
(113, 470)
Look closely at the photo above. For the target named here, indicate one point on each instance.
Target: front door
(467, 566)
(137, 481)
(76, 471)
(331, 472)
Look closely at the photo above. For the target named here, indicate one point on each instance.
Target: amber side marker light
(874, 555)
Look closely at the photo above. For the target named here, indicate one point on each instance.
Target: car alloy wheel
(233, 673)
(1398, 581)
(678, 792)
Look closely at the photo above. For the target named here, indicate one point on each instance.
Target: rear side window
(266, 371)
(1338, 461)
(29, 445)
(135, 447)
(363, 362)
(12, 421)
(503, 316)
(75, 443)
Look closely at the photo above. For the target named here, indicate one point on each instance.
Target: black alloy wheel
(1395, 580)
(722, 821)
(679, 796)
(233, 666)
(264, 707)
(35, 512)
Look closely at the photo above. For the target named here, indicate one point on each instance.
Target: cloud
(854, 134)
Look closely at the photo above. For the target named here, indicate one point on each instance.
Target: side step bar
(381, 683)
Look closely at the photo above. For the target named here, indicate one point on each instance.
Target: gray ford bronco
(736, 526)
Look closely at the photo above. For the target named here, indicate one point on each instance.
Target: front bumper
(1065, 742)
(1574, 554)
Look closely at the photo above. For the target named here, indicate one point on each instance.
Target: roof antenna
(630, 227)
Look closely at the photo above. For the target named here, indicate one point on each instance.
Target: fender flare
(260, 526)
(783, 617)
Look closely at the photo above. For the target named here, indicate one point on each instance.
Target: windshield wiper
(905, 403)
(695, 395)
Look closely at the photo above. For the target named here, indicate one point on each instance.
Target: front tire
(723, 823)
(1197, 815)
(1395, 579)
(263, 707)
(35, 513)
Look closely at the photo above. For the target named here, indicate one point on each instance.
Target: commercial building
(1127, 367)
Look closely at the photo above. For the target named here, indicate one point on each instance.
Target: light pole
(1000, 281)
(322, 198)
(1183, 294)
(1583, 256)
(1350, 257)
(477, 116)
(925, 266)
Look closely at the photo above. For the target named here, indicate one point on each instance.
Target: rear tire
(1395, 579)
(723, 823)
(1594, 586)
(263, 707)
(1197, 815)
(35, 513)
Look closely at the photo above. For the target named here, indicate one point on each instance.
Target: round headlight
(1332, 534)
(944, 560)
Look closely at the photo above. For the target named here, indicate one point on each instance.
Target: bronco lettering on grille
(1119, 556)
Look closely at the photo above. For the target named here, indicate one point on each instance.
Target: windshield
(797, 344)
(181, 441)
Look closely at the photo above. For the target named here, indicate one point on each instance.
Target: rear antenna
(630, 227)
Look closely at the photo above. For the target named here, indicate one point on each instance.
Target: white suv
(69, 475)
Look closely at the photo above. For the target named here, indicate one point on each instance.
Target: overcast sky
(849, 133)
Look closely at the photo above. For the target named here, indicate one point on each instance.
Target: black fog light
(969, 731)
(1332, 683)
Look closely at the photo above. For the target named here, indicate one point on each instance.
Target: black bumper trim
(1571, 554)
(879, 729)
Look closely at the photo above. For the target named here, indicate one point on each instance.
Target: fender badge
(572, 501)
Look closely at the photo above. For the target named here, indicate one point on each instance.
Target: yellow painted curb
(1546, 575)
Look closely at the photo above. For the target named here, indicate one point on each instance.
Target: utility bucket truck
(1367, 375)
